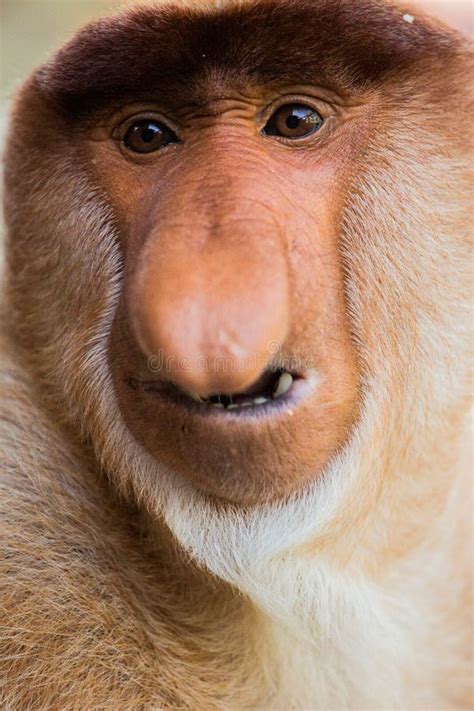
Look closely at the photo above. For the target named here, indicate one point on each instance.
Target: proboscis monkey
(235, 392)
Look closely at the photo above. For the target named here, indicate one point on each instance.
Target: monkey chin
(242, 450)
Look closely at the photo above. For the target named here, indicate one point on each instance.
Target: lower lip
(301, 389)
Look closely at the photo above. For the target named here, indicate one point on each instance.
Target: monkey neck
(346, 614)
(353, 613)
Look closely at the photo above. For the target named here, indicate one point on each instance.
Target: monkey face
(233, 251)
(231, 352)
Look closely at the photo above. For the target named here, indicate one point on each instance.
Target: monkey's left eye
(293, 121)
(148, 135)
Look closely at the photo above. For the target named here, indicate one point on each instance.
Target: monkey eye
(293, 121)
(148, 135)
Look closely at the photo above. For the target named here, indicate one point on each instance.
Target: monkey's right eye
(148, 135)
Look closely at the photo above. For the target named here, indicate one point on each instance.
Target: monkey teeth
(197, 398)
(283, 385)
(278, 388)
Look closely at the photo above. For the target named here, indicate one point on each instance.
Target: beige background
(32, 29)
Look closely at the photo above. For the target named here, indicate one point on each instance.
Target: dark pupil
(292, 121)
(148, 134)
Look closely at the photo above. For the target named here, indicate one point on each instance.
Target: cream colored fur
(358, 586)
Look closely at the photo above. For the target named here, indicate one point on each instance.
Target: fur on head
(404, 246)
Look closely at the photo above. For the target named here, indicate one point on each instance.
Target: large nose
(211, 304)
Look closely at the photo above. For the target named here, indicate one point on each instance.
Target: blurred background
(32, 29)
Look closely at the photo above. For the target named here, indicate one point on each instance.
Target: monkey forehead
(345, 44)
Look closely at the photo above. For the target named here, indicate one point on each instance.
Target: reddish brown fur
(286, 41)
(104, 606)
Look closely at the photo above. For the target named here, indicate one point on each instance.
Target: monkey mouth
(273, 384)
(273, 388)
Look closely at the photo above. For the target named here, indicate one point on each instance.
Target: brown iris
(148, 135)
(294, 121)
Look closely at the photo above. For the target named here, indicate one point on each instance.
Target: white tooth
(232, 406)
(217, 404)
(197, 398)
(246, 404)
(284, 384)
(260, 400)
